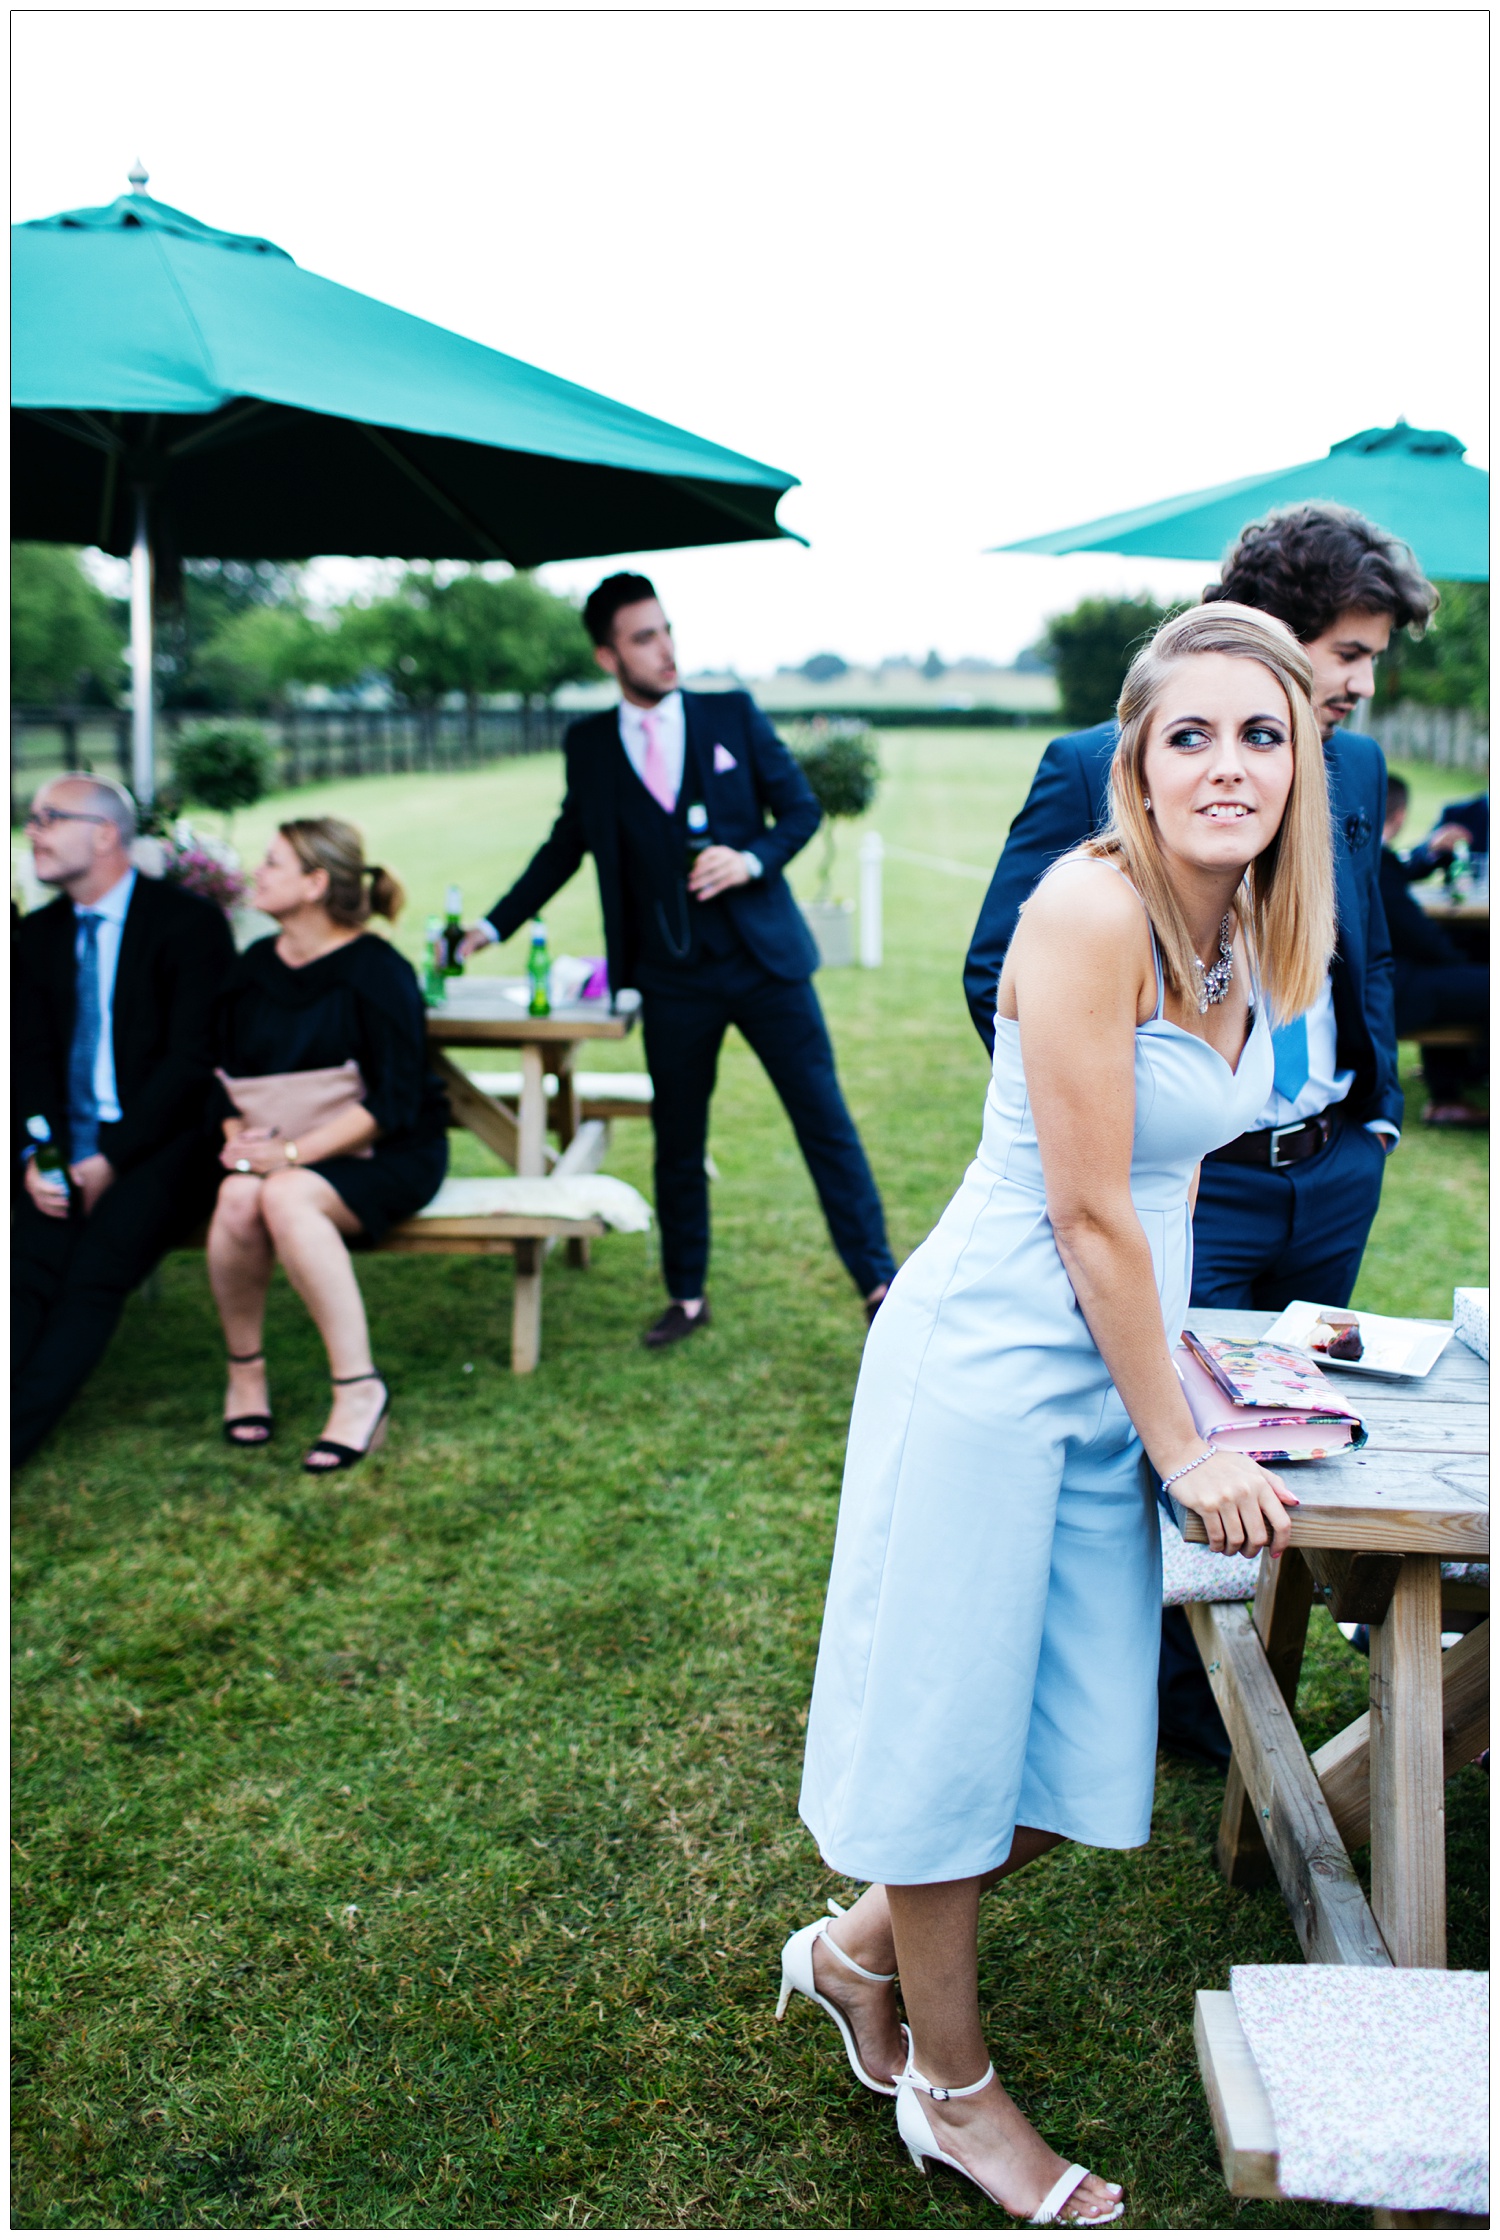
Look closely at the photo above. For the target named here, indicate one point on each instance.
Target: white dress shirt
(670, 725)
(1326, 1084)
(110, 910)
(669, 719)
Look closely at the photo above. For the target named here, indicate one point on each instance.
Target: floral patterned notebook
(1266, 1401)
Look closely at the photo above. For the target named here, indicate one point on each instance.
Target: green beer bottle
(453, 933)
(539, 972)
(433, 982)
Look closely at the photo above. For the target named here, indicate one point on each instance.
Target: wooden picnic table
(1465, 909)
(487, 1013)
(1370, 1534)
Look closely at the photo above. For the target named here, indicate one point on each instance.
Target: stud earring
(1145, 800)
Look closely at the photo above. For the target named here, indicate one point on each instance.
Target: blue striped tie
(83, 1105)
(1289, 1044)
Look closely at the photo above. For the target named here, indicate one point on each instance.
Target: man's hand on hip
(47, 1192)
(92, 1177)
(477, 938)
(716, 871)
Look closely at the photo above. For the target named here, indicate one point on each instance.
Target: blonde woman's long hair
(355, 888)
(1285, 907)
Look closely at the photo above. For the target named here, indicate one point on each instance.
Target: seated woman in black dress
(312, 998)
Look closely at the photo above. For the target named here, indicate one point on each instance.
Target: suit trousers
(70, 1279)
(684, 1025)
(1263, 1237)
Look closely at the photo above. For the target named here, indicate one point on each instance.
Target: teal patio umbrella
(177, 391)
(1415, 482)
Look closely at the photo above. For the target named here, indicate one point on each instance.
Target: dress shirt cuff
(487, 925)
(1385, 1128)
(757, 868)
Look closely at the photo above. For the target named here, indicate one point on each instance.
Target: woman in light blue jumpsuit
(986, 1679)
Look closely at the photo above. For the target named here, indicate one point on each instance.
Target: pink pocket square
(724, 760)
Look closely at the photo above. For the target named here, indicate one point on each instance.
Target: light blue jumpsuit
(992, 1629)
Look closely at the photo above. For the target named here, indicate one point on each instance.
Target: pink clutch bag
(1267, 1401)
(292, 1104)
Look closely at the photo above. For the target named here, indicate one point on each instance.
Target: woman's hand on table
(1243, 1506)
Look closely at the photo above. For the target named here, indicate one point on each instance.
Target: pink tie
(658, 784)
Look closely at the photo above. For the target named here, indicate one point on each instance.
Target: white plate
(1393, 1346)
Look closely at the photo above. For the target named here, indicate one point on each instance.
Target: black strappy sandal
(344, 1458)
(265, 1425)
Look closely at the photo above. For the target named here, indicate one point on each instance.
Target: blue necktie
(1289, 1044)
(83, 1105)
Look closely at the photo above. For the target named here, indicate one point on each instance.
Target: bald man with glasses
(113, 994)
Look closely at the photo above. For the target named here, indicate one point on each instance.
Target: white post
(871, 930)
(142, 682)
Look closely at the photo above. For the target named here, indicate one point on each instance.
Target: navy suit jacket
(763, 803)
(1069, 799)
(175, 954)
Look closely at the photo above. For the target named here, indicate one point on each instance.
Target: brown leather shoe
(674, 1324)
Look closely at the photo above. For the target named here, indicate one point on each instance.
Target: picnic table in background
(1372, 1533)
(559, 1195)
(481, 1013)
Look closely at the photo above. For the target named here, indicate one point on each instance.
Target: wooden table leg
(567, 1118)
(1408, 1882)
(526, 1315)
(531, 1149)
(1283, 1604)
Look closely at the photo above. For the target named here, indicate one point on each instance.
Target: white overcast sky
(968, 275)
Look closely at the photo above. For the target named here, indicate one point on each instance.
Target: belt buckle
(1293, 1128)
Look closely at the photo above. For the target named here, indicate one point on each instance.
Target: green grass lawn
(415, 1850)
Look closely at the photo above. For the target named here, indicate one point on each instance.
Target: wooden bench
(1446, 1038)
(488, 1225)
(490, 1229)
(1244, 2120)
(601, 1096)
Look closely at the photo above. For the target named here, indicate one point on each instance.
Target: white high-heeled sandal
(797, 1975)
(917, 2137)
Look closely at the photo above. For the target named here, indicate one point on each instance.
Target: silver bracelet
(1187, 1466)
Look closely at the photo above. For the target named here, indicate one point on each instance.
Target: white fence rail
(1454, 738)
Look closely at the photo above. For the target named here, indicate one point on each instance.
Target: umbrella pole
(142, 682)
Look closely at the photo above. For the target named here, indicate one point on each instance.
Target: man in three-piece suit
(114, 990)
(1283, 1212)
(667, 780)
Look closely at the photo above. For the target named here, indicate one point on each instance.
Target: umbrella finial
(138, 176)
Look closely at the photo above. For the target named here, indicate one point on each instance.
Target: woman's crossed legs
(299, 1219)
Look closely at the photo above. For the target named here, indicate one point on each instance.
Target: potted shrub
(840, 760)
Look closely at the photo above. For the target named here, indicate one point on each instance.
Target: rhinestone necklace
(1215, 981)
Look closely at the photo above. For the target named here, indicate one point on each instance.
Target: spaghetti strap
(1161, 985)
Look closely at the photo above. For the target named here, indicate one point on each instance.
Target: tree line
(1090, 648)
(242, 638)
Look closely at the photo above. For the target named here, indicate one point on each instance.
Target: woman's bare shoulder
(1087, 900)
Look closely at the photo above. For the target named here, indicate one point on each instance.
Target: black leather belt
(1281, 1147)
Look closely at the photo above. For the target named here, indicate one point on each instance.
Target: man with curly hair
(1283, 1212)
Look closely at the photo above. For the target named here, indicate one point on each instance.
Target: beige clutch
(293, 1104)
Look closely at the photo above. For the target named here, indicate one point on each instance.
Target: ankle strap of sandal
(239, 1358)
(365, 1377)
(844, 1960)
(913, 2076)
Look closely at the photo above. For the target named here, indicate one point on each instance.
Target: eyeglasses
(45, 819)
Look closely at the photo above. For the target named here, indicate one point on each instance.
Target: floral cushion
(1378, 2080)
